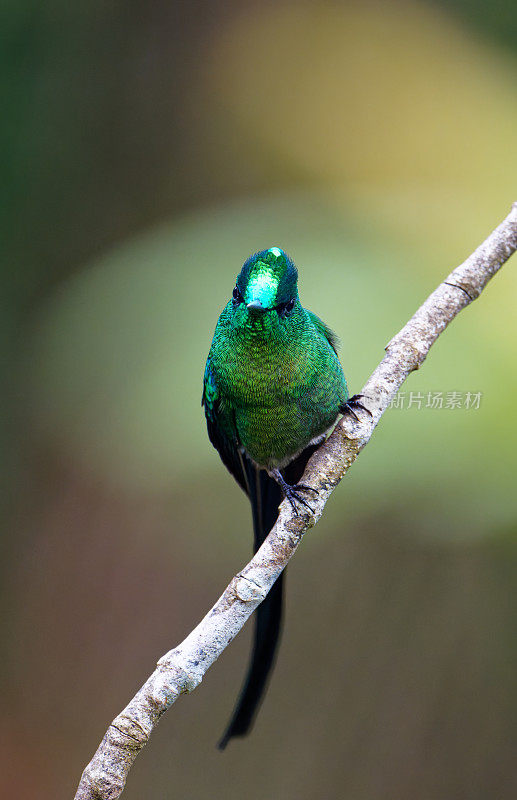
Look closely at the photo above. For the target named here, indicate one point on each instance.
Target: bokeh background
(147, 150)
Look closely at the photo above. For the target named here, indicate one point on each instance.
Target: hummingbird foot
(352, 404)
(292, 493)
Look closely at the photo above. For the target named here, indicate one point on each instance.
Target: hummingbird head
(267, 282)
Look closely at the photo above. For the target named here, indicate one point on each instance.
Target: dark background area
(147, 151)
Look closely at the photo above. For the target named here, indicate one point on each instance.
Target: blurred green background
(148, 149)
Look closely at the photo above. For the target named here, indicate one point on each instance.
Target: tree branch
(181, 669)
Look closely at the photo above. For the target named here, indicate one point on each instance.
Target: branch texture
(181, 669)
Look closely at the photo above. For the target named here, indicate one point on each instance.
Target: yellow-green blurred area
(148, 149)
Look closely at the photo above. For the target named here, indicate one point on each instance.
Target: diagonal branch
(181, 669)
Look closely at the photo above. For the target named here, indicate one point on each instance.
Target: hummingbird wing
(227, 449)
(324, 330)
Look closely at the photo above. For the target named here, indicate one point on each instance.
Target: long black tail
(265, 496)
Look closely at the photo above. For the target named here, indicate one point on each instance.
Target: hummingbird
(273, 387)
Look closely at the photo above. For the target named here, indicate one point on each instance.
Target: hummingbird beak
(256, 306)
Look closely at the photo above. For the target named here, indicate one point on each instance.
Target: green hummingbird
(273, 387)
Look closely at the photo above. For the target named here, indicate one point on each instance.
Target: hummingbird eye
(237, 296)
(285, 308)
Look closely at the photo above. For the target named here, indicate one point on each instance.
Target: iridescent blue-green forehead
(269, 276)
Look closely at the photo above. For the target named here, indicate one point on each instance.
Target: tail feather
(265, 496)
